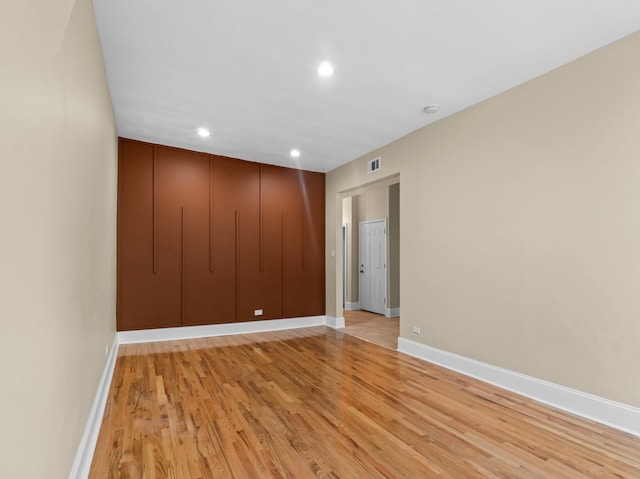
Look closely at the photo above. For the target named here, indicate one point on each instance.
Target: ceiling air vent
(373, 165)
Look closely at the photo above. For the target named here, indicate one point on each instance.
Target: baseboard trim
(617, 415)
(84, 455)
(193, 332)
(335, 323)
(392, 312)
(352, 306)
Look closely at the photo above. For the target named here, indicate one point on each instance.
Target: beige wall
(520, 226)
(373, 203)
(57, 247)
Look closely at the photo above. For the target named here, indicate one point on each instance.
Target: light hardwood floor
(317, 402)
(372, 327)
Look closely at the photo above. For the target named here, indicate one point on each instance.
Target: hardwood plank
(316, 402)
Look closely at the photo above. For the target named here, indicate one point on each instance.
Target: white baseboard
(617, 415)
(392, 312)
(352, 306)
(335, 323)
(84, 455)
(192, 332)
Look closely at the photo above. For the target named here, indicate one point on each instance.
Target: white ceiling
(246, 69)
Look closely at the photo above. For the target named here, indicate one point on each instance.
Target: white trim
(84, 455)
(392, 312)
(192, 332)
(345, 261)
(335, 323)
(617, 415)
(352, 306)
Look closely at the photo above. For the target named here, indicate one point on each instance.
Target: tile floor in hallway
(372, 327)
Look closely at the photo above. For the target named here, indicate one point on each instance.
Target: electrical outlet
(416, 330)
(257, 312)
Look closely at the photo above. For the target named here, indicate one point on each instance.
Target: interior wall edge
(392, 312)
(335, 323)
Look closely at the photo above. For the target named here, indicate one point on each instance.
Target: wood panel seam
(182, 263)
(237, 268)
(211, 213)
(284, 265)
(153, 208)
(260, 219)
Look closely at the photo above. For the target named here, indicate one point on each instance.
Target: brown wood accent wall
(205, 239)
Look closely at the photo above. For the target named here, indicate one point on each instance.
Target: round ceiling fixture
(430, 109)
(325, 69)
(203, 132)
(295, 153)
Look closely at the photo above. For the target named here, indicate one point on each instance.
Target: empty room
(320, 239)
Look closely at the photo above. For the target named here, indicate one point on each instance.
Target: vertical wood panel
(205, 268)
(211, 214)
(145, 299)
(182, 266)
(293, 268)
(173, 176)
(273, 275)
(250, 287)
(237, 263)
(314, 291)
(236, 234)
(153, 209)
(261, 225)
(304, 265)
(284, 268)
(304, 240)
(119, 226)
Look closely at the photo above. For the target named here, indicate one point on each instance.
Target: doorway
(374, 204)
(373, 265)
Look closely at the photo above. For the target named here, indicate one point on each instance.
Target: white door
(373, 265)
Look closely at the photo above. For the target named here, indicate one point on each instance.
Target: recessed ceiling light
(431, 109)
(325, 69)
(203, 132)
(295, 153)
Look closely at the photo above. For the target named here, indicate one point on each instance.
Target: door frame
(345, 263)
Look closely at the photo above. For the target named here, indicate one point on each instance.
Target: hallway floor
(374, 328)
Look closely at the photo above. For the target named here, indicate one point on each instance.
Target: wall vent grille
(373, 165)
